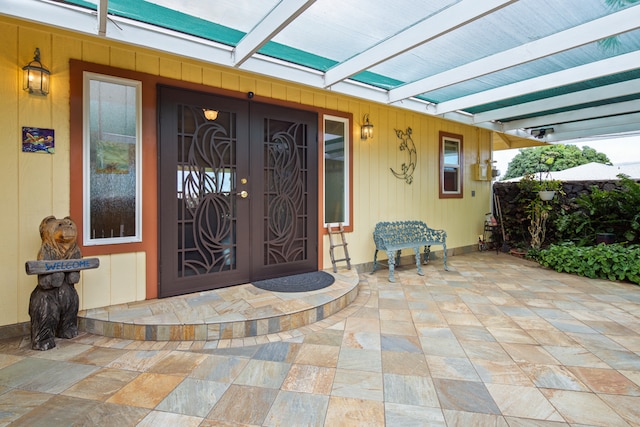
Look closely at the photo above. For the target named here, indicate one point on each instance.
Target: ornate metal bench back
(390, 234)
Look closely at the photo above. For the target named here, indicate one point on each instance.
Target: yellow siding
(140, 278)
(123, 58)
(380, 196)
(230, 81)
(95, 51)
(124, 273)
(9, 214)
(37, 185)
(96, 285)
(263, 88)
(278, 91)
(247, 85)
(192, 73)
(146, 63)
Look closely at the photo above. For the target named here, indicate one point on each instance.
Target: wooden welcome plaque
(60, 265)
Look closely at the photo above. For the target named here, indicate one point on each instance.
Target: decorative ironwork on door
(285, 192)
(207, 218)
(238, 192)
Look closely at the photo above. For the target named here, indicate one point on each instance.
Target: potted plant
(546, 189)
(546, 195)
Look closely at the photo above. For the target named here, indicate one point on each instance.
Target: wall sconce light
(210, 114)
(35, 77)
(366, 131)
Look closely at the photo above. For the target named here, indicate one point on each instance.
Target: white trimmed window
(112, 175)
(337, 165)
(451, 165)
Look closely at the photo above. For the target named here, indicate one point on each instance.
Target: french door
(238, 191)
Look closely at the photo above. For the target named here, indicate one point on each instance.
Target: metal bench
(392, 237)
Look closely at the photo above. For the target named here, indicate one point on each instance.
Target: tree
(552, 158)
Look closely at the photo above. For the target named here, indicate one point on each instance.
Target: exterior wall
(38, 185)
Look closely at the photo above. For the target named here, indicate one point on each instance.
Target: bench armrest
(435, 235)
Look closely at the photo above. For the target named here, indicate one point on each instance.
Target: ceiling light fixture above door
(210, 114)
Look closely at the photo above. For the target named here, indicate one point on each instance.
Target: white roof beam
(604, 126)
(150, 36)
(561, 101)
(608, 26)
(605, 67)
(278, 18)
(448, 20)
(103, 9)
(59, 14)
(576, 115)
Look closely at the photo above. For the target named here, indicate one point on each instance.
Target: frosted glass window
(112, 175)
(336, 170)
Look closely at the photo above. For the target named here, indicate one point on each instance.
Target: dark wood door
(284, 202)
(238, 194)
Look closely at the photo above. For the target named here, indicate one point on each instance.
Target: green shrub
(613, 262)
(601, 211)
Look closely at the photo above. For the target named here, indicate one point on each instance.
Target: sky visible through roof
(510, 66)
(619, 150)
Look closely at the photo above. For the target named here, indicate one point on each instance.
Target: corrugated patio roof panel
(459, 58)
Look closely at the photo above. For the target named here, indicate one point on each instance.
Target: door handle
(243, 194)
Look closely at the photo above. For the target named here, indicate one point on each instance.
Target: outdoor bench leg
(392, 261)
(425, 256)
(417, 252)
(444, 250)
(375, 261)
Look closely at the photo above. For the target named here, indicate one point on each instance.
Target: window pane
(111, 159)
(451, 165)
(336, 145)
(450, 179)
(451, 153)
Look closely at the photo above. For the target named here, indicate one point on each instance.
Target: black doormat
(298, 283)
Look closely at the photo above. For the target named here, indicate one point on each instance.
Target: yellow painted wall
(380, 196)
(37, 185)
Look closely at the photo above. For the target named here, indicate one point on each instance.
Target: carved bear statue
(53, 306)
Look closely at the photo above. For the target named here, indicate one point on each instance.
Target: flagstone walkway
(496, 341)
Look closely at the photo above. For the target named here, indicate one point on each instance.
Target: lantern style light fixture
(210, 114)
(35, 77)
(366, 131)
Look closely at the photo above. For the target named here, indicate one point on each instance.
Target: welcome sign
(64, 265)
